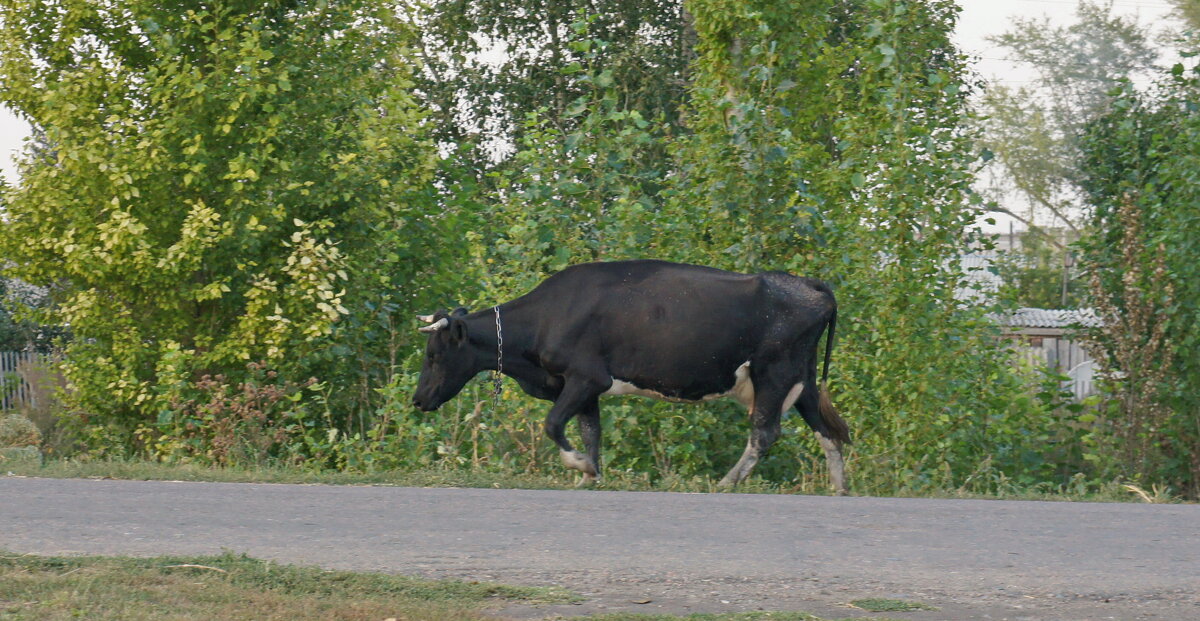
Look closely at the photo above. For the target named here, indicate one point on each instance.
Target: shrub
(18, 431)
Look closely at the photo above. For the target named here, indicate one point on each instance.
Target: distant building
(1043, 337)
(982, 282)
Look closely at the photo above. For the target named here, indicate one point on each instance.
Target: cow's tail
(838, 429)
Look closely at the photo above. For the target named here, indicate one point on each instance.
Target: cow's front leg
(577, 393)
(589, 430)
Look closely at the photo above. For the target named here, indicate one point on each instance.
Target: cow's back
(680, 329)
(646, 298)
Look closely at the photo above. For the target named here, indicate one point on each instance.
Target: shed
(1043, 337)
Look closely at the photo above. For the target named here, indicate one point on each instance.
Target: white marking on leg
(578, 461)
(792, 395)
(742, 468)
(835, 463)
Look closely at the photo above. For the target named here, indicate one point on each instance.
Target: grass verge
(134, 469)
(429, 477)
(234, 587)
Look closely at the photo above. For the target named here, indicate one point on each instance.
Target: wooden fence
(1058, 354)
(14, 390)
(1083, 379)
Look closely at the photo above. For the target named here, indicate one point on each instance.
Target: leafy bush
(1142, 162)
(213, 421)
(16, 430)
(212, 187)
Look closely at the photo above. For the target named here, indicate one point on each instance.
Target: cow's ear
(458, 330)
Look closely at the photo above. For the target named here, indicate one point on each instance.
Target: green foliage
(1142, 167)
(16, 430)
(827, 143)
(216, 422)
(1034, 130)
(255, 184)
(790, 160)
(1034, 276)
(1187, 11)
(570, 195)
(214, 181)
(878, 604)
(490, 63)
(18, 330)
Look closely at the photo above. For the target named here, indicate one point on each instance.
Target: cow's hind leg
(574, 398)
(589, 430)
(816, 409)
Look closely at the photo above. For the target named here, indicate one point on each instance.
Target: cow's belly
(742, 390)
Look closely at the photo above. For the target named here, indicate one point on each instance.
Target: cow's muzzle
(424, 404)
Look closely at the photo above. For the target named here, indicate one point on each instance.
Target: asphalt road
(658, 552)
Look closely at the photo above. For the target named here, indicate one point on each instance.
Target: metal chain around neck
(496, 375)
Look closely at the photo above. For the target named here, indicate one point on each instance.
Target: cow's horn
(426, 318)
(434, 327)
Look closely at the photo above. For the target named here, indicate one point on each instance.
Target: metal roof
(1049, 318)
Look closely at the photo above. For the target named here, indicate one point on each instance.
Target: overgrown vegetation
(219, 187)
(1142, 166)
(237, 211)
(1040, 274)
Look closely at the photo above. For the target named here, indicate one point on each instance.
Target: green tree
(820, 138)
(1034, 130)
(828, 141)
(17, 331)
(1188, 12)
(489, 63)
(216, 178)
(1141, 165)
(1034, 275)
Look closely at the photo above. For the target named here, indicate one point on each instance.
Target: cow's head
(450, 361)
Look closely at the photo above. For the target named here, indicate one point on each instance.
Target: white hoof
(578, 461)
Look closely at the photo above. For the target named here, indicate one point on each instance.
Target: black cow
(651, 328)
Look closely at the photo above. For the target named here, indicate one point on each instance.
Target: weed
(876, 604)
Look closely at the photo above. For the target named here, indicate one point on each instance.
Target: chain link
(496, 375)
